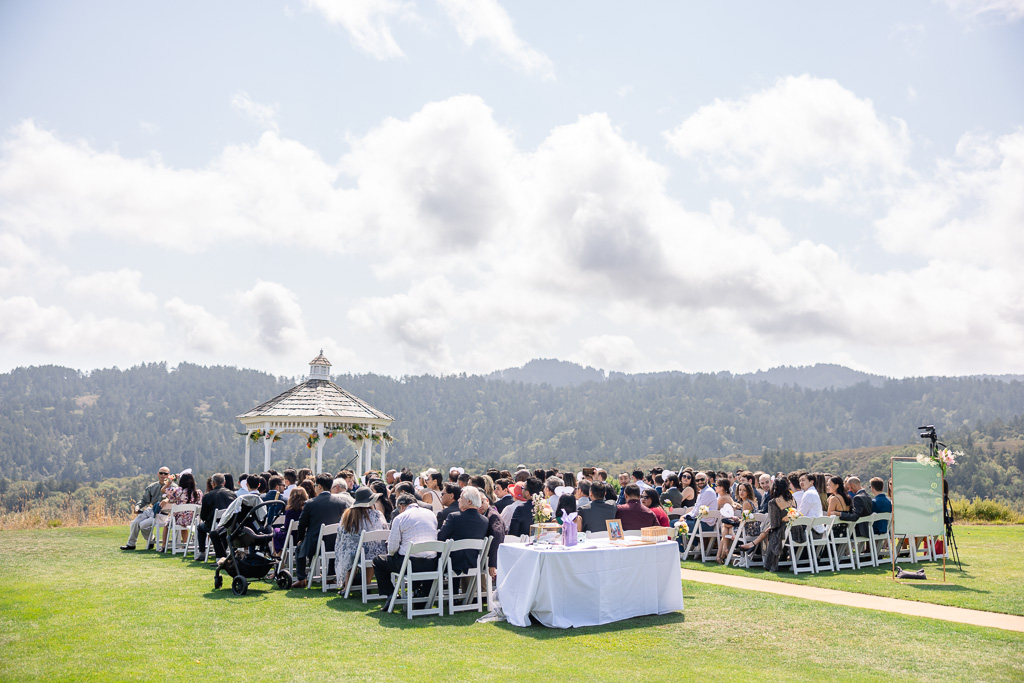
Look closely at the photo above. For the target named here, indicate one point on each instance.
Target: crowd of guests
(430, 506)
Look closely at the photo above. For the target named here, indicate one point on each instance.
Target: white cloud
(366, 22)
(263, 114)
(277, 315)
(612, 352)
(121, 288)
(30, 328)
(487, 20)
(805, 137)
(203, 331)
(971, 209)
(1007, 10)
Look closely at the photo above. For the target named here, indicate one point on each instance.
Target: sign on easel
(917, 506)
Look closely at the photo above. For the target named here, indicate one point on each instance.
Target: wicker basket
(655, 533)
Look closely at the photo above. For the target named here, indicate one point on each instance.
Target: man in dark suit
(467, 523)
(502, 493)
(217, 499)
(861, 503)
(594, 514)
(522, 518)
(450, 500)
(324, 508)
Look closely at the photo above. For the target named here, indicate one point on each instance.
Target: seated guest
(652, 501)
(839, 502)
(623, 483)
(861, 502)
(810, 504)
(496, 530)
(519, 496)
(450, 500)
(551, 486)
(359, 517)
(325, 508)
(217, 499)
(292, 512)
(522, 517)
(467, 523)
(502, 495)
(781, 499)
(633, 515)
(671, 492)
(593, 515)
(582, 493)
(566, 504)
(185, 493)
(881, 503)
(383, 504)
(275, 492)
(290, 482)
(706, 497)
(309, 486)
(339, 488)
(412, 524)
(689, 491)
(145, 512)
(433, 492)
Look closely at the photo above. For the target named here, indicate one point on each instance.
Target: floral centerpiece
(944, 459)
(541, 509)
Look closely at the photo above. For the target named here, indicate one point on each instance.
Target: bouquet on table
(542, 511)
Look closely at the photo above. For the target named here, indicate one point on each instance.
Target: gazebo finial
(320, 367)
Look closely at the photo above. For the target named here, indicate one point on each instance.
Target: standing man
(144, 512)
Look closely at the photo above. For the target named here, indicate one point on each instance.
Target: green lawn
(73, 607)
(992, 578)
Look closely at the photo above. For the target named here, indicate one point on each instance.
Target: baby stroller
(247, 535)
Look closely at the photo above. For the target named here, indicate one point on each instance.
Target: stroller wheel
(218, 581)
(284, 579)
(239, 586)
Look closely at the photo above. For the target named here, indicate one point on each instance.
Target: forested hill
(60, 423)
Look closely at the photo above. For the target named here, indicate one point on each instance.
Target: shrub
(984, 511)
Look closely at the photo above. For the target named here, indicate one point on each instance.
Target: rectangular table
(593, 583)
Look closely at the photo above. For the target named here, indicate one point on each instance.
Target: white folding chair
(821, 544)
(173, 528)
(474, 575)
(800, 553)
(287, 560)
(405, 578)
(843, 550)
(882, 541)
(863, 546)
(320, 563)
(752, 558)
(361, 563)
(698, 536)
(209, 542)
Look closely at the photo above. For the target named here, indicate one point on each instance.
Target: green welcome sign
(916, 499)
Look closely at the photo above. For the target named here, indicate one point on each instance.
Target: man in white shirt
(794, 487)
(705, 497)
(412, 524)
(810, 502)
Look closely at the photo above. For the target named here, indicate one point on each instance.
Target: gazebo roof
(318, 398)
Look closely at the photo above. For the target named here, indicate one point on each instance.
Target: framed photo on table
(614, 529)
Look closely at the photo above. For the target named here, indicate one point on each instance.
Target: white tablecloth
(593, 583)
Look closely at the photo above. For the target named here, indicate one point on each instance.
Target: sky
(453, 186)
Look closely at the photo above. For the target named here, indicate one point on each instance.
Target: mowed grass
(74, 607)
(992, 578)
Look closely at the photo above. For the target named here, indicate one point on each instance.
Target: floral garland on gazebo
(355, 434)
(263, 433)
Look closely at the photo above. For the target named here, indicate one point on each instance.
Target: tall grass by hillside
(69, 512)
(985, 511)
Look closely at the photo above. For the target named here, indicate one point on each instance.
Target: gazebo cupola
(318, 409)
(320, 368)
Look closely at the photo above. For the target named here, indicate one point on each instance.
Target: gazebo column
(267, 441)
(248, 441)
(320, 449)
(383, 454)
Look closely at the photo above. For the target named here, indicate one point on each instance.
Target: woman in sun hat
(359, 517)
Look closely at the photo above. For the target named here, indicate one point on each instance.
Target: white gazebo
(321, 410)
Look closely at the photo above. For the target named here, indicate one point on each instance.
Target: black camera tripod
(928, 432)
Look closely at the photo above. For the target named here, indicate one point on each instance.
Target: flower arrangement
(542, 511)
(312, 440)
(748, 515)
(263, 433)
(792, 513)
(704, 510)
(944, 459)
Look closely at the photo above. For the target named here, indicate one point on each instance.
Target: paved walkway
(974, 617)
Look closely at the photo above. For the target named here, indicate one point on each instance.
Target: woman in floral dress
(359, 517)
